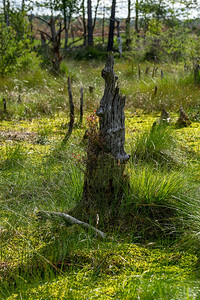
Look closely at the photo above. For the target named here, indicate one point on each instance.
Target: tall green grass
(158, 145)
(44, 94)
(41, 259)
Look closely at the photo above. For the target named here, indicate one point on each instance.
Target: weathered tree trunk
(128, 20)
(111, 27)
(95, 14)
(23, 6)
(44, 45)
(6, 10)
(137, 17)
(65, 23)
(119, 40)
(4, 105)
(111, 114)
(71, 107)
(103, 25)
(55, 45)
(104, 176)
(84, 25)
(90, 26)
(81, 106)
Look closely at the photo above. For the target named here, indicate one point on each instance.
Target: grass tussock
(160, 209)
(158, 145)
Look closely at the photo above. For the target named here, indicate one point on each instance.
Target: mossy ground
(47, 260)
(119, 271)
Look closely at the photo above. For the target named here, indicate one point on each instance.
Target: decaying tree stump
(183, 120)
(111, 114)
(104, 177)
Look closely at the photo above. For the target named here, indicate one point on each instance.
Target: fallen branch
(72, 221)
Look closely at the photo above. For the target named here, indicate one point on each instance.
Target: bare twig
(39, 18)
(49, 37)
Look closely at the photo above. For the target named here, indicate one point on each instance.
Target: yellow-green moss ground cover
(49, 261)
(154, 253)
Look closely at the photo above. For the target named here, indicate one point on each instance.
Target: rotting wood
(71, 221)
(4, 105)
(71, 106)
(81, 106)
(183, 120)
(104, 180)
(111, 114)
(139, 71)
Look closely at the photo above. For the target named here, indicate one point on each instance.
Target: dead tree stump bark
(81, 106)
(71, 107)
(104, 176)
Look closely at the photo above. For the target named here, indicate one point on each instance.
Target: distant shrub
(161, 43)
(15, 45)
(87, 53)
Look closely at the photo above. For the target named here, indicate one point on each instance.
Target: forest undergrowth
(153, 251)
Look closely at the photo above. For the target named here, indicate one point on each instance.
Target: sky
(121, 11)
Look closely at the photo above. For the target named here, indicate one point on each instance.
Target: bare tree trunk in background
(65, 24)
(84, 25)
(55, 38)
(23, 6)
(137, 17)
(6, 8)
(104, 176)
(111, 27)
(95, 14)
(43, 43)
(128, 21)
(31, 25)
(81, 106)
(71, 107)
(90, 26)
(103, 25)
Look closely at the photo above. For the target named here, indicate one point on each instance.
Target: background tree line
(152, 29)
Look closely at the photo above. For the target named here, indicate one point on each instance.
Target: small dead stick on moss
(71, 221)
(71, 106)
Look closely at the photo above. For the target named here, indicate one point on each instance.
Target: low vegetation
(153, 249)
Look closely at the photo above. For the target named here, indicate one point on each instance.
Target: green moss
(115, 270)
(47, 260)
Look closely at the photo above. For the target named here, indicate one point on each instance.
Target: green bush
(15, 46)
